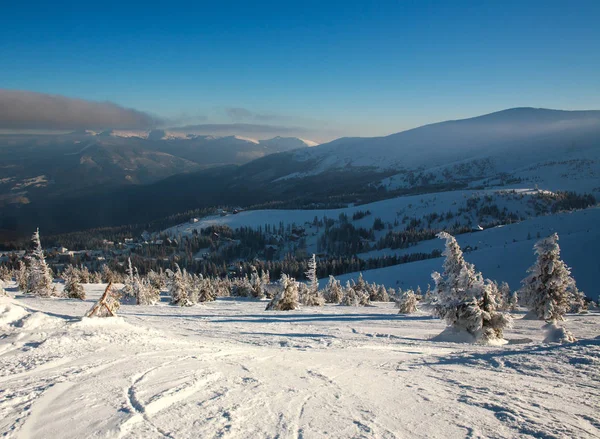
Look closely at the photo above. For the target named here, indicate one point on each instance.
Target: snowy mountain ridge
(508, 139)
(160, 134)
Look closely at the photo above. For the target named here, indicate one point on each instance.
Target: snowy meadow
(228, 368)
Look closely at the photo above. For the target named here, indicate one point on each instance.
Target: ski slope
(230, 369)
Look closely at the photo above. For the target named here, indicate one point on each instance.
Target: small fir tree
(73, 289)
(547, 291)
(39, 276)
(286, 298)
(179, 288)
(407, 302)
(333, 291)
(464, 299)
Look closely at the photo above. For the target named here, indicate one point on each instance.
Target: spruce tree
(464, 299)
(407, 302)
(73, 288)
(311, 296)
(39, 276)
(286, 298)
(548, 290)
(333, 291)
(179, 288)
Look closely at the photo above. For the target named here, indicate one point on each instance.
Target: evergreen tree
(21, 275)
(5, 274)
(286, 298)
(107, 275)
(143, 291)
(333, 291)
(548, 290)
(379, 294)
(73, 289)
(256, 284)
(310, 294)
(508, 298)
(350, 297)
(179, 288)
(464, 299)
(39, 276)
(407, 302)
(127, 292)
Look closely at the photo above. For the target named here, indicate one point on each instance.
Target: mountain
(506, 139)
(40, 166)
(516, 148)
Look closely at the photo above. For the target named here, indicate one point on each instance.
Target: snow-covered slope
(230, 369)
(288, 143)
(507, 140)
(502, 253)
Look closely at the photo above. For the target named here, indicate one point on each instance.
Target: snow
(388, 210)
(504, 253)
(230, 369)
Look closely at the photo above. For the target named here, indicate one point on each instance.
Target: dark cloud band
(23, 110)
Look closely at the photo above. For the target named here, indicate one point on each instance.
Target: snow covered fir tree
(311, 296)
(287, 298)
(407, 302)
(333, 291)
(73, 288)
(549, 291)
(39, 276)
(465, 300)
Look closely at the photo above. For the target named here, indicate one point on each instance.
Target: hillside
(517, 148)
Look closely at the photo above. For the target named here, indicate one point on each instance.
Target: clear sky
(331, 68)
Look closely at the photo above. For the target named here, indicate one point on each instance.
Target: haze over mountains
(118, 177)
(38, 166)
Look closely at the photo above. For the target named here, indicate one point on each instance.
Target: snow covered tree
(256, 284)
(407, 302)
(547, 291)
(143, 291)
(96, 277)
(206, 291)
(3, 292)
(158, 280)
(286, 298)
(21, 276)
(5, 274)
(350, 298)
(39, 276)
(179, 288)
(127, 292)
(356, 293)
(333, 291)
(508, 298)
(576, 299)
(108, 276)
(379, 294)
(84, 275)
(309, 293)
(73, 289)
(241, 287)
(464, 299)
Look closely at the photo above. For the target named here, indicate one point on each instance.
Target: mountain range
(137, 177)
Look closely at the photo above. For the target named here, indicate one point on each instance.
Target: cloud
(23, 110)
(239, 114)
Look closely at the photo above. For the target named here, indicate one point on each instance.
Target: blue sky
(332, 68)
